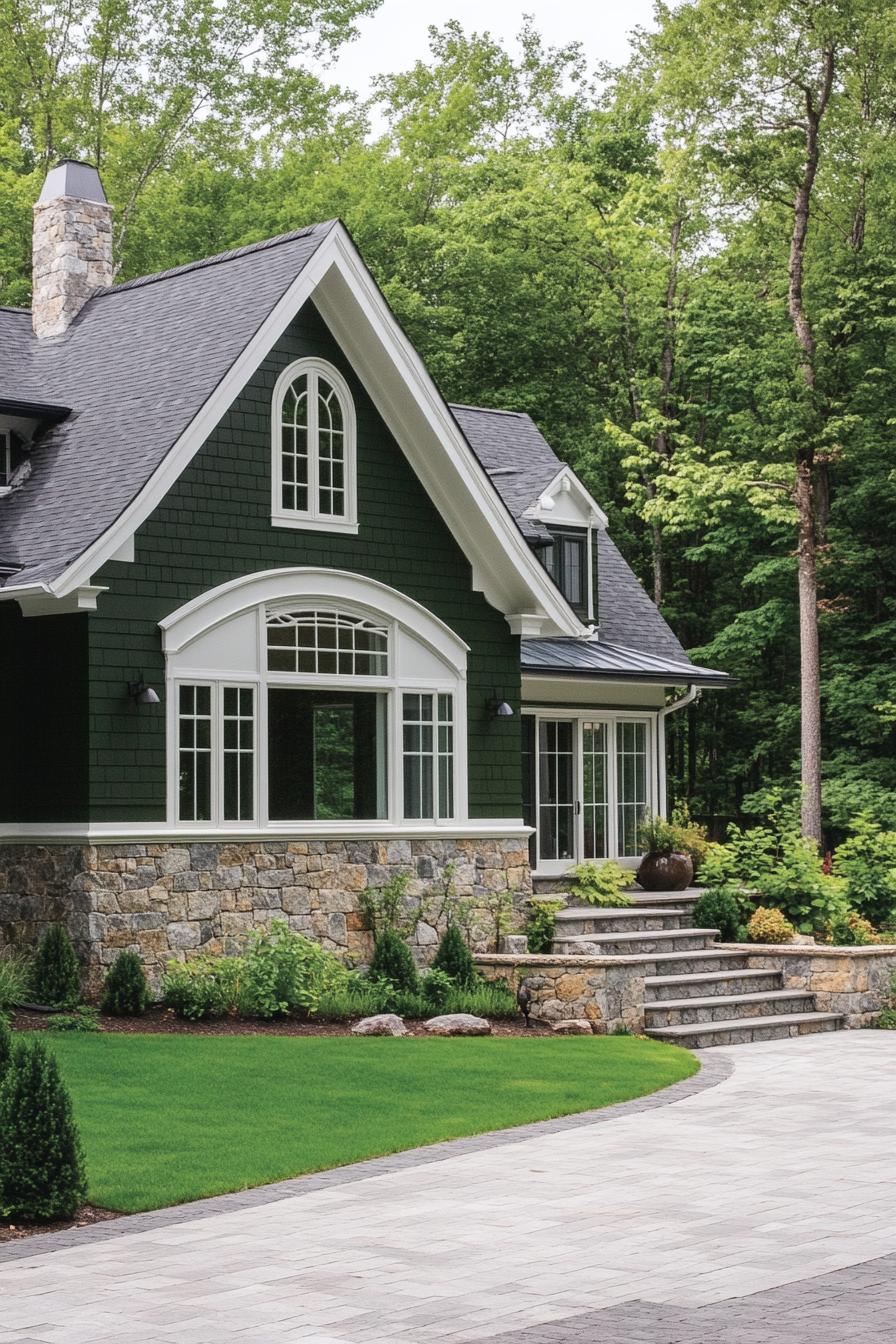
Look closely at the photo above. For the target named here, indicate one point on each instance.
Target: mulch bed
(163, 1021)
(87, 1214)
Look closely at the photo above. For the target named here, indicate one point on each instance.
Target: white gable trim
(504, 568)
(566, 483)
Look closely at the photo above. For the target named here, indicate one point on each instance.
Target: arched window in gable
(313, 449)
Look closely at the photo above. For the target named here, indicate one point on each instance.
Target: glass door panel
(631, 784)
(595, 799)
(556, 790)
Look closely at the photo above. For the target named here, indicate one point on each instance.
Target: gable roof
(136, 366)
(150, 366)
(522, 464)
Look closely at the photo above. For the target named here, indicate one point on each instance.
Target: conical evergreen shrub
(392, 961)
(126, 989)
(454, 958)
(55, 974)
(41, 1165)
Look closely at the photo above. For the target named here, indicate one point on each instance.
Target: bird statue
(524, 999)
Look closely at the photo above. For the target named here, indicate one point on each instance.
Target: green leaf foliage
(126, 990)
(55, 973)
(41, 1167)
(392, 961)
(541, 924)
(454, 958)
(600, 884)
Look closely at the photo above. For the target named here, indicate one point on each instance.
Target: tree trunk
(807, 577)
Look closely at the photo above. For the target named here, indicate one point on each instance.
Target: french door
(593, 783)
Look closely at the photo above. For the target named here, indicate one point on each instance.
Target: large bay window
(324, 713)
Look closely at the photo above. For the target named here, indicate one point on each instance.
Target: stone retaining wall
(178, 899)
(854, 981)
(608, 991)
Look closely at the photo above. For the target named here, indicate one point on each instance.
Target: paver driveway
(781, 1173)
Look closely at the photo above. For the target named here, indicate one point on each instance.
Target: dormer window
(313, 449)
(5, 458)
(566, 560)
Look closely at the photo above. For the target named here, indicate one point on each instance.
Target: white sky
(396, 35)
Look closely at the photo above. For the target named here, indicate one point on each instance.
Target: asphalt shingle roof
(136, 366)
(521, 464)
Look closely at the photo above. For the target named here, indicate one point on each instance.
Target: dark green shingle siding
(214, 525)
(43, 684)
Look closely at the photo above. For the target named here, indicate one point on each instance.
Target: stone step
(694, 963)
(704, 984)
(645, 942)
(700, 1036)
(727, 1007)
(584, 920)
(557, 887)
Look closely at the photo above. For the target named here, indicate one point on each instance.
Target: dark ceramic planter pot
(664, 870)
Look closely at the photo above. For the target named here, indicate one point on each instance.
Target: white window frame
(217, 687)
(612, 718)
(5, 461)
(363, 598)
(311, 519)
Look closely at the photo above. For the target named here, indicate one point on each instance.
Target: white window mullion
(313, 446)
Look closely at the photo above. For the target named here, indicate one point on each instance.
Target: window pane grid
(595, 802)
(326, 642)
(238, 722)
(631, 784)
(314, 448)
(445, 746)
(195, 753)
(294, 446)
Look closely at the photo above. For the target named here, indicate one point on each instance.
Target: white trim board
(108, 831)
(504, 567)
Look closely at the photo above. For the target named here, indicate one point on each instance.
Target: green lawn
(171, 1118)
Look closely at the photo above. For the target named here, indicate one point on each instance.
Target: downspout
(685, 700)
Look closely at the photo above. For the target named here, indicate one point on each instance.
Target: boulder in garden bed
(383, 1024)
(458, 1024)
(573, 1026)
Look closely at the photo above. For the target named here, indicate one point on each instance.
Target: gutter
(682, 702)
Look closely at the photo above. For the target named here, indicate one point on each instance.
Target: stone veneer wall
(176, 899)
(608, 991)
(854, 981)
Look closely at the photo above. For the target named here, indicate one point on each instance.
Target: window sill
(301, 524)
(108, 832)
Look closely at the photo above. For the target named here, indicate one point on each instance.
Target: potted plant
(666, 866)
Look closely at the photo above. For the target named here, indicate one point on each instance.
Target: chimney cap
(72, 177)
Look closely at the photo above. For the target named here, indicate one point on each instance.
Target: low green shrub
(387, 908)
(719, 908)
(541, 924)
(777, 868)
(437, 987)
(769, 926)
(5, 1049)
(55, 974)
(620, 1029)
(689, 836)
(392, 961)
(286, 972)
(126, 989)
(866, 862)
(207, 987)
(851, 930)
(489, 999)
(454, 958)
(80, 1019)
(600, 884)
(887, 1017)
(365, 998)
(41, 1165)
(15, 976)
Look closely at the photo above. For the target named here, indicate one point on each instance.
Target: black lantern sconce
(140, 693)
(498, 707)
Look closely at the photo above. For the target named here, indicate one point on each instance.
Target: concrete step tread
(638, 936)
(704, 977)
(616, 911)
(745, 1024)
(764, 996)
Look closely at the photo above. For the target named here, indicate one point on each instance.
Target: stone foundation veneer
(178, 899)
(608, 991)
(854, 981)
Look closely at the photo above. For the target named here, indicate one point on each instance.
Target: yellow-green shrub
(768, 925)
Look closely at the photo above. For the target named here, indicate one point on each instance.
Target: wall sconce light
(140, 693)
(498, 707)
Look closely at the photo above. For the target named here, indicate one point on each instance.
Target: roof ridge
(215, 260)
(488, 410)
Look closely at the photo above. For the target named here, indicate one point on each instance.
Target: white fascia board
(590, 509)
(344, 290)
(110, 831)
(38, 599)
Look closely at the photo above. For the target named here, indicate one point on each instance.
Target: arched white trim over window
(315, 700)
(313, 449)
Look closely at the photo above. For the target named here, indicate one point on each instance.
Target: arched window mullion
(340, 486)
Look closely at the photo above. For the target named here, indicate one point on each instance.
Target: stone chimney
(72, 246)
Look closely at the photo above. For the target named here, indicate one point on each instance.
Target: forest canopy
(611, 250)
